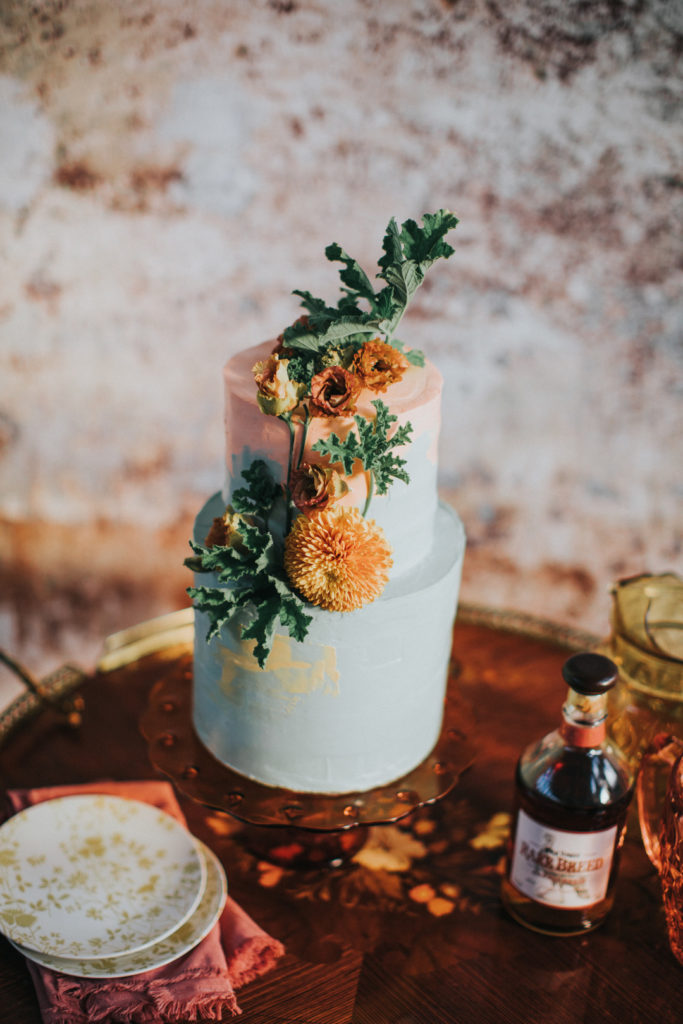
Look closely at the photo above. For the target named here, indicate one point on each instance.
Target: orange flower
(276, 392)
(314, 487)
(225, 530)
(337, 560)
(378, 365)
(334, 392)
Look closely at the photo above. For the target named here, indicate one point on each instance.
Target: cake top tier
(333, 365)
(401, 499)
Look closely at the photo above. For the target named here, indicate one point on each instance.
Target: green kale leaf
(249, 572)
(353, 275)
(258, 497)
(408, 253)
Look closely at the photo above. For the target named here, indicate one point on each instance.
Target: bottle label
(561, 869)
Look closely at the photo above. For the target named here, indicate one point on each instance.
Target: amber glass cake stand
(175, 750)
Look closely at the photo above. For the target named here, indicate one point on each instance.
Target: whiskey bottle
(573, 789)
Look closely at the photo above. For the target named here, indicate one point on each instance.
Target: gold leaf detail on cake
(337, 559)
(288, 680)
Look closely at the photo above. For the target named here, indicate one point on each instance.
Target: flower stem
(304, 432)
(371, 491)
(286, 417)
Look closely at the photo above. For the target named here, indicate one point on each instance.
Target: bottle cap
(590, 673)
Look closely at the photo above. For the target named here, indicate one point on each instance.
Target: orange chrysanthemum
(337, 560)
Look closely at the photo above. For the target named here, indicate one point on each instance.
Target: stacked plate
(105, 887)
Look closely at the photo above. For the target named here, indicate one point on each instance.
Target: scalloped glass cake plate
(91, 876)
(175, 749)
(181, 941)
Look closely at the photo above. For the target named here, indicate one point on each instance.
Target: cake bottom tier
(356, 705)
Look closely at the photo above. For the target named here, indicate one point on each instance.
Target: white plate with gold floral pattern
(92, 876)
(181, 941)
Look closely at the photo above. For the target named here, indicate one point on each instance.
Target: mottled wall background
(171, 171)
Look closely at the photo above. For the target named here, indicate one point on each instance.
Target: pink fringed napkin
(201, 984)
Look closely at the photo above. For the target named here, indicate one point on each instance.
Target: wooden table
(409, 931)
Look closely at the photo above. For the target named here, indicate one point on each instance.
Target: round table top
(402, 923)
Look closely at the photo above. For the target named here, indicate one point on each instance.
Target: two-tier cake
(327, 570)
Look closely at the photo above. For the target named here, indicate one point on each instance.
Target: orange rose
(378, 365)
(334, 392)
(276, 392)
(314, 487)
(225, 530)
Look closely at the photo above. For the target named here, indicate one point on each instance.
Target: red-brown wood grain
(411, 930)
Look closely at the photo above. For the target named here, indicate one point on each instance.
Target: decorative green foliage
(258, 497)
(408, 254)
(250, 574)
(353, 275)
(372, 446)
(303, 367)
(324, 330)
(419, 245)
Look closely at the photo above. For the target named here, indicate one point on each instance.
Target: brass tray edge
(58, 684)
(128, 645)
(155, 643)
(162, 624)
(526, 624)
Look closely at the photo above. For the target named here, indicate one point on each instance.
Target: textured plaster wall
(171, 171)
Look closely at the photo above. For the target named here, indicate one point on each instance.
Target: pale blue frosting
(358, 704)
